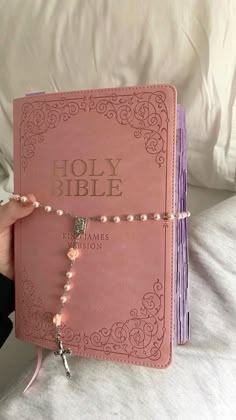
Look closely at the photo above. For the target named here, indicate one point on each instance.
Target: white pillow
(76, 44)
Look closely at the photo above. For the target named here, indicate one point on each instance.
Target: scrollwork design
(145, 113)
(35, 321)
(40, 116)
(140, 336)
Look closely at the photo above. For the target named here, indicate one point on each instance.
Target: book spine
(181, 320)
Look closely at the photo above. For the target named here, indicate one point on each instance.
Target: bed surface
(47, 46)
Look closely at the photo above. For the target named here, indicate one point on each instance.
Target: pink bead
(130, 218)
(103, 219)
(67, 287)
(63, 299)
(156, 216)
(57, 320)
(143, 217)
(116, 219)
(73, 253)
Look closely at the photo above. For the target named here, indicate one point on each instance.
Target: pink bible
(94, 153)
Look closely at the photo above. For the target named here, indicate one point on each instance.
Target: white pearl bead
(143, 217)
(130, 218)
(63, 299)
(116, 219)
(14, 197)
(59, 212)
(36, 204)
(103, 219)
(24, 199)
(178, 215)
(69, 274)
(188, 214)
(48, 208)
(67, 287)
(184, 215)
(170, 216)
(156, 216)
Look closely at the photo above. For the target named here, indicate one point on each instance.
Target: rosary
(80, 224)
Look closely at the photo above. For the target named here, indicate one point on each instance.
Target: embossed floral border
(145, 113)
(140, 335)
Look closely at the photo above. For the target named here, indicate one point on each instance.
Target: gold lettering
(112, 186)
(113, 166)
(68, 181)
(83, 186)
(57, 168)
(78, 162)
(57, 185)
(93, 168)
(94, 188)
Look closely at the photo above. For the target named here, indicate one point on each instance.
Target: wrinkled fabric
(56, 46)
(201, 382)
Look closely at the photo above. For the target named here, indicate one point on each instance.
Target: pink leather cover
(120, 306)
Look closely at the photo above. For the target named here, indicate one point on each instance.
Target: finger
(14, 210)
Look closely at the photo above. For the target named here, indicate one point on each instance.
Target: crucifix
(79, 228)
(62, 352)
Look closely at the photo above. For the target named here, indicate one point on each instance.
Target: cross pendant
(80, 225)
(62, 352)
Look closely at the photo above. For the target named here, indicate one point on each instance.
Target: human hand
(9, 213)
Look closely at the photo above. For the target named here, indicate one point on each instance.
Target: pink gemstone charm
(103, 219)
(73, 253)
(130, 218)
(57, 320)
(116, 219)
(143, 217)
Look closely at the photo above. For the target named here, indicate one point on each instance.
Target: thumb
(14, 210)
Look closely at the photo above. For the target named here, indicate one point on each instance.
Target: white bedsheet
(201, 382)
(61, 45)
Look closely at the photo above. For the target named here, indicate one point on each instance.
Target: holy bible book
(118, 158)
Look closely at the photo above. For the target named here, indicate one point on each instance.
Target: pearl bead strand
(73, 252)
(115, 219)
